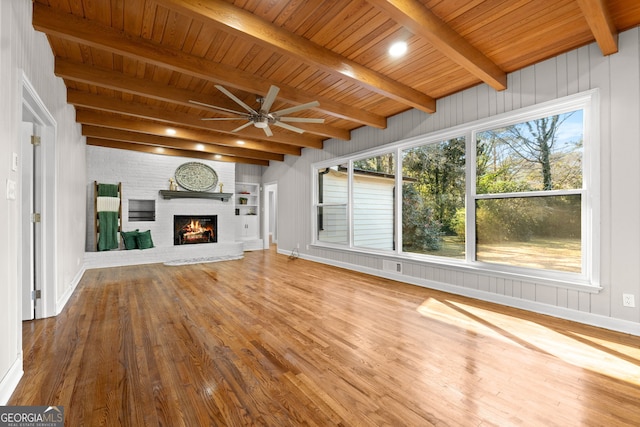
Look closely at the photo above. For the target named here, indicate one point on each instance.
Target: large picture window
(528, 193)
(514, 193)
(433, 218)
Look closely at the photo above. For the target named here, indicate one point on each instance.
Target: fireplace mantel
(166, 194)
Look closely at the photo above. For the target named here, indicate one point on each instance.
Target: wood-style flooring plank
(272, 341)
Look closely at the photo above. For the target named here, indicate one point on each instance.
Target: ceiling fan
(262, 117)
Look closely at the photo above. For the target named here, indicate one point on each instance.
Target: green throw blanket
(108, 238)
(108, 190)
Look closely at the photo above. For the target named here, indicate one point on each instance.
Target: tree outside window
(433, 201)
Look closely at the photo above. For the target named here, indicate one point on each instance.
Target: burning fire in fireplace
(195, 229)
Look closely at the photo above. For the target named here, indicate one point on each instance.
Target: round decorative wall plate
(194, 176)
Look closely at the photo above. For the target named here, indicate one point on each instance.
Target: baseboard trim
(10, 381)
(590, 319)
(62, 301)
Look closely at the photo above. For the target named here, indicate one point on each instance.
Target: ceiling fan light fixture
(261, 123)
(262, 117)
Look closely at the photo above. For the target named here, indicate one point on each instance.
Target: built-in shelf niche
(142, 210)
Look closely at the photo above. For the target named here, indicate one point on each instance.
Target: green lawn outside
(547, 254)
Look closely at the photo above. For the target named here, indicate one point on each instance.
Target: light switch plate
(11, 189)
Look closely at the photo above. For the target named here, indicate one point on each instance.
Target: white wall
(248, 173)
(23, 50)
(618, 79)
(142, 176)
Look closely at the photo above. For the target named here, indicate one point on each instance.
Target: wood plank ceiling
(133, 68)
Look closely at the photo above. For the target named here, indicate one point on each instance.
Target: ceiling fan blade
(222, 118)
(267, 130)
(300, 120)
(271, 96)
(219, 108)
(242, 127)
(236, 99)
(289, 127)
(296, 108)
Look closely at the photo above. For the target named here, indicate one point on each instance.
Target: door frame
(34, 110)
(27, 239)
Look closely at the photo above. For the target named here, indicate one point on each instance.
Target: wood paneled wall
(618, 79)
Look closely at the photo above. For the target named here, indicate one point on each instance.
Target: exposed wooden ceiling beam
(177, 143)
(90, 33)
(113, 105)
(96, 118)
(249, 26)
(413, 15)
(171, 151)
(601, 23)
(108, 79)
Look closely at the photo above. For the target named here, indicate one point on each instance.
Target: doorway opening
(36, 165)
(270, 217)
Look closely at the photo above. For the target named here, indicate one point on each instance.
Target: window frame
(589, 278)
(316, 204)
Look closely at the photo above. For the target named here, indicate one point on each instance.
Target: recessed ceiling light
(200, 147)
(217, 156)
(398, 49)
(171, 131)
(240, 142)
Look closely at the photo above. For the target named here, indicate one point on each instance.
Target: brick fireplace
(142, 176)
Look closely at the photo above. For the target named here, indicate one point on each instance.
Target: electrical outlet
(628, 300)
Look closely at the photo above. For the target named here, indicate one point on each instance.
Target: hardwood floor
(267, 340)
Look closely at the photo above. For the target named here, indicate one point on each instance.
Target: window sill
(556, 279)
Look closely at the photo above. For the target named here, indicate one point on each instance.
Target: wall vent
(393, 266)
